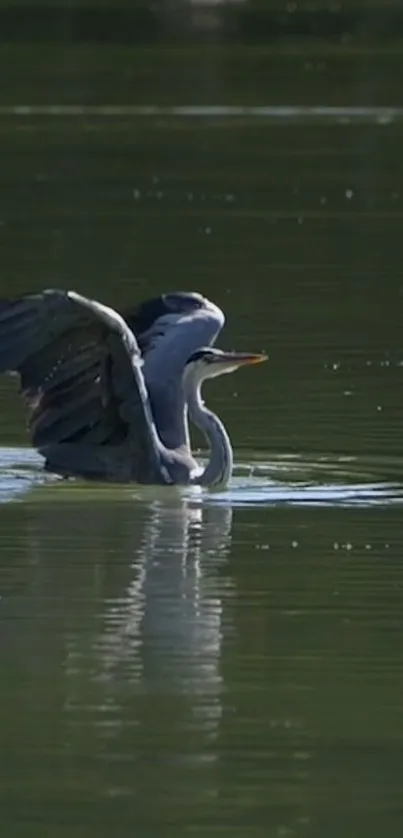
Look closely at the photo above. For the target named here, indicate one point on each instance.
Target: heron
(111, 394)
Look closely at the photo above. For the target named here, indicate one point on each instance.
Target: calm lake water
(229, 663)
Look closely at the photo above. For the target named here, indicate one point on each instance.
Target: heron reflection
(164, 631)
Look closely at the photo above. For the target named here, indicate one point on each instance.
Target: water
(229, 661)
(185, 662)
(174, 659)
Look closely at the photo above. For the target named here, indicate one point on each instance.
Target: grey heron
(111, 394)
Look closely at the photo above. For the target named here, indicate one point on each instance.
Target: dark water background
(183, 663)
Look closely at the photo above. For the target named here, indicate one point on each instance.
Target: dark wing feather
(80, 373)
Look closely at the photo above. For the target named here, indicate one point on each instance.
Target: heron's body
(110, 394)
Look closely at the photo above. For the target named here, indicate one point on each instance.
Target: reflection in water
(163, 632)
(112, 631)
(127, 598)
(209, 671)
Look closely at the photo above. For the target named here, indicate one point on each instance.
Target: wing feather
(80, 372)
(169, 328)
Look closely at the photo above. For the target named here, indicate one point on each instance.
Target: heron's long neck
(219, 466)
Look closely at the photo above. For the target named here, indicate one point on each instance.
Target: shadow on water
(280, 480)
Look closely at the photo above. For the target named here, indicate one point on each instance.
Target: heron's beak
(242, 359)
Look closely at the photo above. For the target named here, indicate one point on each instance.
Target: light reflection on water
(130, 602)
(160, 633)
(170, 606)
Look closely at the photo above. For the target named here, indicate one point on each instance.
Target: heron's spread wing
(169, 329)
(79, 366)
(181, 321)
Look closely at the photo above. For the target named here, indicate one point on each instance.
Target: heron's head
(210, 362)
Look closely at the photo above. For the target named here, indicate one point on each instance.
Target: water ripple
(282, 480)
(259, 492)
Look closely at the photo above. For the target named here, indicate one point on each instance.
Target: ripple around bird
(294, 480)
